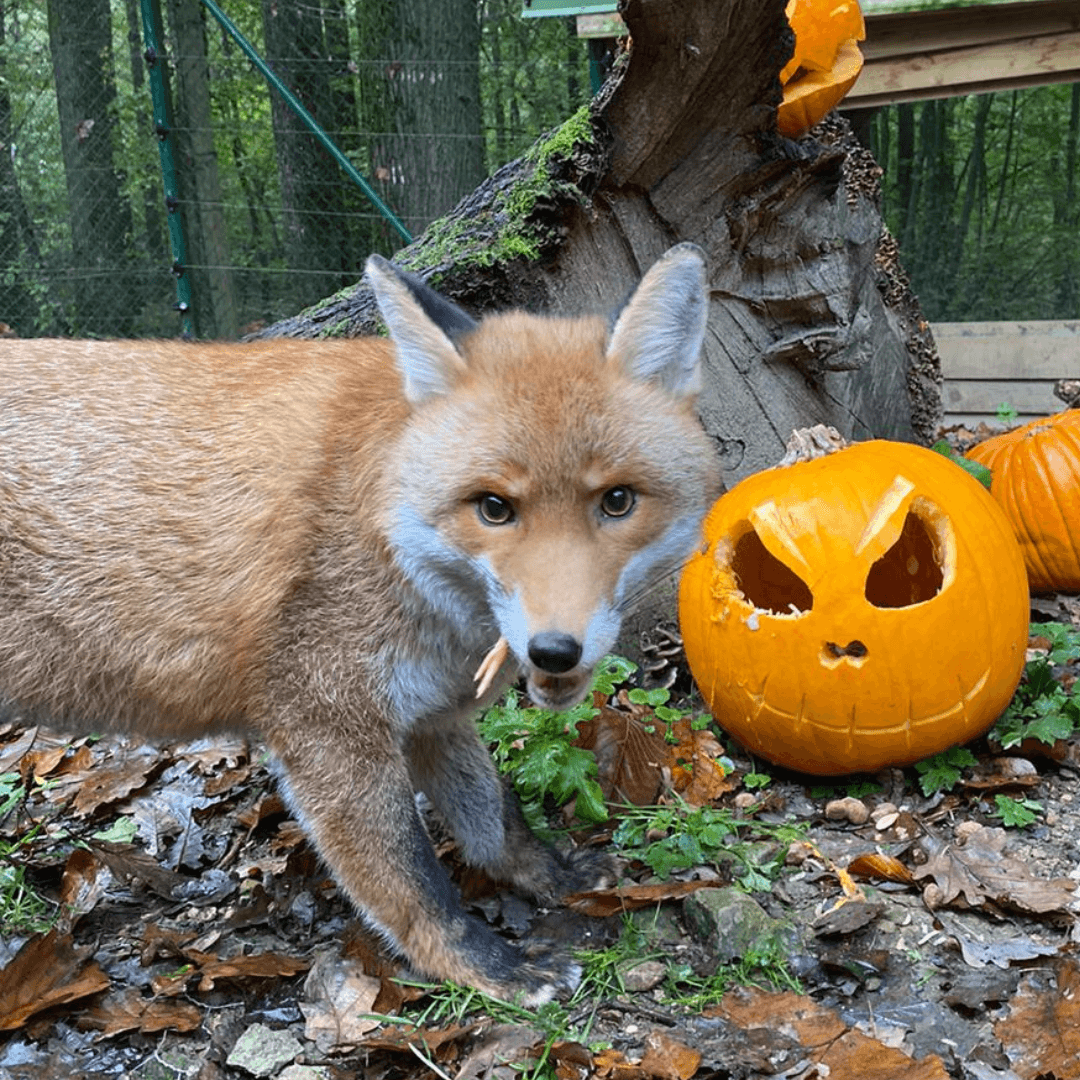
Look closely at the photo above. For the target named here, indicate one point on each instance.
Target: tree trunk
(80, 40)
(17, 241)
(810, 318)
(436, 154)
(213, 294)
(317, 243)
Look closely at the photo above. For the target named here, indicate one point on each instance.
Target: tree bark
(81, 46)
(810, 319)
(317, 242)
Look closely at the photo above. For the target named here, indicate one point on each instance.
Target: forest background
(426, 98)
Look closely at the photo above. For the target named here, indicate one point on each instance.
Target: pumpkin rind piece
(1035, 477)
(865, 609)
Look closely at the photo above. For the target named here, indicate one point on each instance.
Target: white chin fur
(558, 691)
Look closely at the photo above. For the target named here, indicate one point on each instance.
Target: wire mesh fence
(424, 97)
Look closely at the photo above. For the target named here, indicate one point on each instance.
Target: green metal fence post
(309, 121)
(152, 36)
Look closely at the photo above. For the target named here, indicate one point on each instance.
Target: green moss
(504, 230)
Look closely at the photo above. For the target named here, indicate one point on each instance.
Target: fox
(316, 543)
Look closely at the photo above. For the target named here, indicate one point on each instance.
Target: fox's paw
(585, 869)
(547, 973)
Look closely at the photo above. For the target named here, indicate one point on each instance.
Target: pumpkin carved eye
(765, 581)
(910, 571)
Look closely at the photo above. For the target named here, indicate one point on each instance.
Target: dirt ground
(902, 936)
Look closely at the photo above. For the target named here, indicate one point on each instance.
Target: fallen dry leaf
(630, 758)
(982, 873)
(1041, 1034)
(128, 1010)
(879, 865)
(338, 998)
(855, 1056)
(47, 971)
(604, 902)
(668, 1059)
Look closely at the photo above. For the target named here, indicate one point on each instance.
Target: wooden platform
(988, 364)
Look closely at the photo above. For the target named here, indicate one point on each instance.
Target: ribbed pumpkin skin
(911, 610)
(1035, 476)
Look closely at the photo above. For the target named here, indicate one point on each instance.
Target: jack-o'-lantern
(863, 609)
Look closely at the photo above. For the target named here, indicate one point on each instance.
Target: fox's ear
(423, 325)
(658, 333)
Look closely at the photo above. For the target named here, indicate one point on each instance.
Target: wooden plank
(906, 33)
(985, 395)
(1040, 349)
(1012, 64)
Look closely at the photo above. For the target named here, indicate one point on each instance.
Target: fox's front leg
(451, 765)
(355, 800)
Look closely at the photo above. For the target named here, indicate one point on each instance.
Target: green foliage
(533, 747)
(1042, 708)
(979, 192)
(1006, 413)
(22, 908)
(678, 837)
(979, 471)
(941, 772)
(1016, 813)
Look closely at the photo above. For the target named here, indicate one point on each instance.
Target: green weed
(941, 772)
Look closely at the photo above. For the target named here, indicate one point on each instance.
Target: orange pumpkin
(1035, 476)
(864, 609)
(826, 63)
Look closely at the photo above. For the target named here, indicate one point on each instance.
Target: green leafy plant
(1006, 413)
(1042, 708)
(941, 772)
(980, 472)
(678, 837)
(1016, 813)
(534, 748)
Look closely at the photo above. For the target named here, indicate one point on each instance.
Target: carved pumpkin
(1035, 477)
(863, 609)
(826, 63)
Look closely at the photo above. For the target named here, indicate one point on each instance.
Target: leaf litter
(918, 938)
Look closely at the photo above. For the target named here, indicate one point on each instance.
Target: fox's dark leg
(453, 768)
(356, 803)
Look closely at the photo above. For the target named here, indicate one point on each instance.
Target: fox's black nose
(554, 653)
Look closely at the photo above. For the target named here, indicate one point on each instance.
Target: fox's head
(552, 468)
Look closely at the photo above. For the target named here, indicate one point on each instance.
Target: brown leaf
(669, 1059)
(130, 1011)
(630, 758)
(1041, 1034)
(108, 784)
(702, 779)
(47, 971)
(84, 883)
(879, 865)
(267, 965)
(855, 1056)
(604, 902)
(338, 1000)
(812, 1024)
(981, 872)
(1002, 772)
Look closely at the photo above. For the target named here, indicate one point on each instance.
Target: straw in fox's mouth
(489, 666)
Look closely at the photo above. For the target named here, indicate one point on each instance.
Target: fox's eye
(617, 502)
(494, 510)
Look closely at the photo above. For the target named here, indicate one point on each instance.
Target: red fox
(318, 541)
